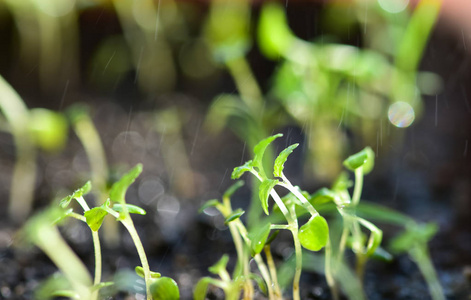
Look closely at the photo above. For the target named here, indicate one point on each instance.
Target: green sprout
(314, 234)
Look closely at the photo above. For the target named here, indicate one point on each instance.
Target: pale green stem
(421, 256)
(128, 223)
(24, 172)
(273, 273)
(358, 186)
(258, 258)
(329, 276)
(298, 253)
(246, 84)
(287, 184)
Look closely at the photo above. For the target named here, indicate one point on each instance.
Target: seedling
(313, 235)
(157, 287)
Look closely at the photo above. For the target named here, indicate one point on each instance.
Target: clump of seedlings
(42, 230)
(348, 219)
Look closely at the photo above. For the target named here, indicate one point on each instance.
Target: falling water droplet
(401, 114)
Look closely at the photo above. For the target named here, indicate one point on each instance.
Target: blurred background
(90, 88)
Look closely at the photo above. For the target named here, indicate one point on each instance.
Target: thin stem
(287, 184)
(329, 276)
(298, 253)
(273, 273)
(358, 186)
(279, 226)
(420, 255)
(82, 203)
(128, 223)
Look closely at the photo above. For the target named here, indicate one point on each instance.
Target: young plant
(245, 242)
(157, 287)
(313, 235)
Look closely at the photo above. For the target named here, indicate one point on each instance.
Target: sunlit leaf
(274, 35)
(239, 171)
(259, 150)
(264, 192)
(220, 265)
(132, 209)
(95, 217)
(164, 288)
(118, 190)
(314, 234)
(233, 188)
(140, 271)
(281, 159)
(363, 158)
(258, 238)
(234, 216)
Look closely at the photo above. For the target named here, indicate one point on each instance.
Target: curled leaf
(281, 159)
(118, 190)
(140, 272)
(259, 150)
(132, 209)
(234, 216)
(164, 288)
(363, 158)
(264, 192)
(208, 204)
(233, 188)
(239, 171)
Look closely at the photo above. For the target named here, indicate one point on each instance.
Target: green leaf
(258, 238)
(323, 195)
(49, 129)
(281, 159)
(66, 293)
(383, 255)
(118, 190)
(233, 188)
(264, 192)
(419, 234)
(220, 265)
(259, 150)
(342, 182)
(85, 189)
(208, 204)
(363, 158)
(314, 234)
(140, 272)
(132, 209)
(234, 216)
(95, 217)
(239, 171)
(201, 288)
(164, 288)
(274, 35)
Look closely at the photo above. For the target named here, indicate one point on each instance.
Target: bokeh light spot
(401, 114)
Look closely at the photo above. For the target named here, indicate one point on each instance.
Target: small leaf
(234, 216)
(323, 195)
(418, 234)
(363, 158)
(65, 201)
(208, 204)
(233, 188)
(375, 237)
(220, 265)
(164, 288)
(259, 150)
(85, 189)
(264, 192)
(258, 238)
(272, 237)
(132, 209)
(314, 234)
(118, 190)
(342, 182)
(201, 288)
(95, 217)
(383, 255)
(140, 271)
(239, 171)
(281, 159)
